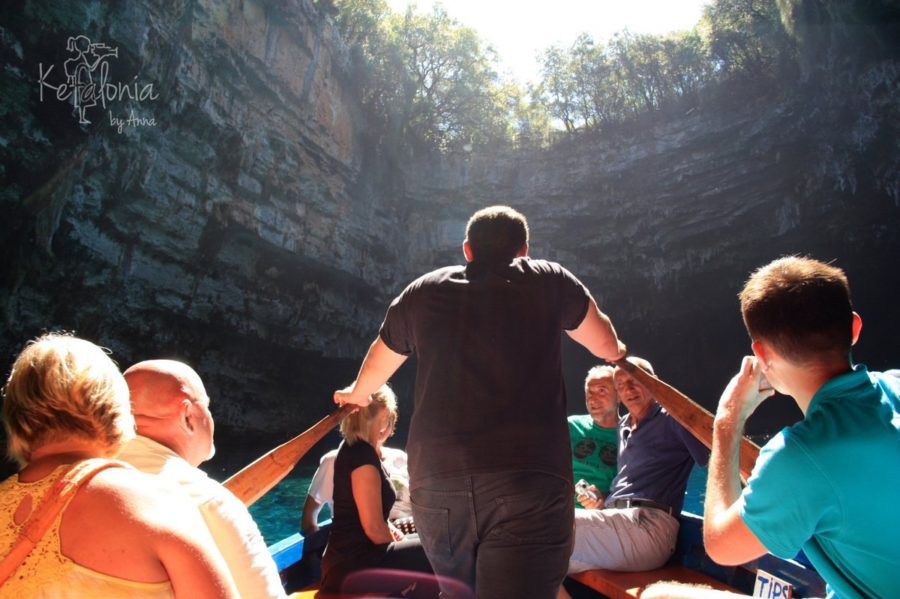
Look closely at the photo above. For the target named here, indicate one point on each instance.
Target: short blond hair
(355, 427)
(601, 371)
(61, 386)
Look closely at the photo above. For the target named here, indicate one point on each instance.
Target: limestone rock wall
(665, 221)
(227, 232)
(246, 230)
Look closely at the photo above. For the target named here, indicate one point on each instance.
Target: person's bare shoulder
(122, 522)
(128, 496)
(128, 483)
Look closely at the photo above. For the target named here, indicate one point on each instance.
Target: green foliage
(360, 22)
(529, 121)
(452, 97)
(426, 81)
(557, 88)
(593, 84)
(688, 67)
(746, 37)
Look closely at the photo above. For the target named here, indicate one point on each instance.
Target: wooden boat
(690, 563)
(770, 576)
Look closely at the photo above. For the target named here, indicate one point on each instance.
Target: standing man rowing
(490, 469)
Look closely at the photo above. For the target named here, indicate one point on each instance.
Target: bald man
(175, 435)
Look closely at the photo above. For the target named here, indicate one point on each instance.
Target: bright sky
(520, 29)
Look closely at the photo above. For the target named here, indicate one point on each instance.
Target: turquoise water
(278, 512)
(696, 491)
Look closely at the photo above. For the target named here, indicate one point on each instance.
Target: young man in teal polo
(829, 484)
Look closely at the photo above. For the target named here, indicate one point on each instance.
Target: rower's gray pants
(507, 535)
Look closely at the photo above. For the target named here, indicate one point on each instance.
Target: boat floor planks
(629, 585)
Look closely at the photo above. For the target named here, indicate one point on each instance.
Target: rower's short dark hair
(496, 234)
(801, 307)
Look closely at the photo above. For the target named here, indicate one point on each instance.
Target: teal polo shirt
(830, 485)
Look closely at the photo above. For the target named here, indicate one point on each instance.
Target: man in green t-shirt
(593, 437)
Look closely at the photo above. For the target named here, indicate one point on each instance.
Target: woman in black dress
(361, 536)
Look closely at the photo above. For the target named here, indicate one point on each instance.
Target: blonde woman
(112, 532)
(361, 536)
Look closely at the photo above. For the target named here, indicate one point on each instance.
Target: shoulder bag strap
(57, 497)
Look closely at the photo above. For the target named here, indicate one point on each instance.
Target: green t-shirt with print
(594, 450)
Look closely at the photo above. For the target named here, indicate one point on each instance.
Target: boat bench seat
(629, 585)
(622, 585)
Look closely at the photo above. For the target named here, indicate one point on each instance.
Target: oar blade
(255, 480)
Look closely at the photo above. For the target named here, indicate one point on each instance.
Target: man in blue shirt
(638, 526)
(829, 484)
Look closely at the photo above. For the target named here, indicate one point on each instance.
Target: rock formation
(244, 229)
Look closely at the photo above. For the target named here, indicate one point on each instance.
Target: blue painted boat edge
(690, 553)
(289, 551)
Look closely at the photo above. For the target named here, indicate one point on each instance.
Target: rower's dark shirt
(489, 388)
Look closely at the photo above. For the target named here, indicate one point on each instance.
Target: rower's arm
(380, 363)
(597, 334)
(727, 539)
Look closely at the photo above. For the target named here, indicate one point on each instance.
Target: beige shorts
(628, 540)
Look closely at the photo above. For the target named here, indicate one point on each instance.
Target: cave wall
(664, 220)
(244, 231)
(227, 232)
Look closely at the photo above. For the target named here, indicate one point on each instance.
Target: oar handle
(255, 480)
(689, 414)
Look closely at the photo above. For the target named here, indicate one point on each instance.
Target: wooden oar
(255, 480)
(689, 414)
